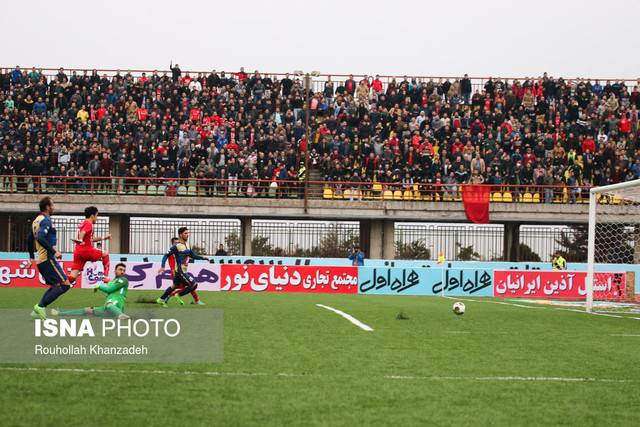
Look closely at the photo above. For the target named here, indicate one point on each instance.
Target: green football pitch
(289, 362)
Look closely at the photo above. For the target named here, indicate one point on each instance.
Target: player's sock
(45, 297)
(186, 290)
(52, 294)
(196, 297)
(78, 312)
(167, 293)
(176, 293)
(114, 310)
(106, 264)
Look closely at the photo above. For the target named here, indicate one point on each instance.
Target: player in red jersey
(84, 251)
(172, 265)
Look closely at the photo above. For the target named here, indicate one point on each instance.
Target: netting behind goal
(614, 241)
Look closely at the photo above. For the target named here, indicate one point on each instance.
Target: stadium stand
(535, 140)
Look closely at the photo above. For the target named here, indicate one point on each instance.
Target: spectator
(16, 76)
(221, 251)
(465, 89)
(175, 72)
(558, 262)
(356, 257)
(350, 85)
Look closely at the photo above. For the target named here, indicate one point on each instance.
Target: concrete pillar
(375, 238)
(636, 244)
(245, 236)
(511, 242)
(5, 232)
(389, 239)
(125, 233)
(119, 230)
(364, 228)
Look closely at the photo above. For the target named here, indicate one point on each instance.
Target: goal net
(613, 242)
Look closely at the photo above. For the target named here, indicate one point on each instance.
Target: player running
(84, 251)
(182, 286)
(182, 253)
(113, 306)
(42, 240)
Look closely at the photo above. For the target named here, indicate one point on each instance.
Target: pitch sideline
(293, 375)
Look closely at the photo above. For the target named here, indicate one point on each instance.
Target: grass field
(289, 362)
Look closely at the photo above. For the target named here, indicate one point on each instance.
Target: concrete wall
(422, 211)
(377, 217)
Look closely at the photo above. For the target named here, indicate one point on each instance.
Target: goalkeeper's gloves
(96, 289)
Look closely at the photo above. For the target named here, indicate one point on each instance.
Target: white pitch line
(624, 335)
(293, 375)
(616, 312)
(151, 371)
(349, 317)
(479, 332)
(595, 314)
(510, 378)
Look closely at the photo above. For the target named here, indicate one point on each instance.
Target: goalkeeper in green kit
(116, 291)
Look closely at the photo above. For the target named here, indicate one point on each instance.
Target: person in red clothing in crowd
(376, 84)
(427, 146)
(84, 251)
(477, 127)
(588, 144)
(142, 113)
(241, 75)
(178, 289)
(394, 144)
(529, 157)
(322, 131)
(232, 146)
(457, 146)
(186, 80)
(416, 140)
(195, 114)
(624, 125)
(101, 111)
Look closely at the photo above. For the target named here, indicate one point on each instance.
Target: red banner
(16, 274)
(476, 202)
(557, 284)
(288, 278)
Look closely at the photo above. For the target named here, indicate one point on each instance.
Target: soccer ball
(458, 308)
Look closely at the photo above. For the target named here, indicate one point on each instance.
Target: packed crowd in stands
(249, 129)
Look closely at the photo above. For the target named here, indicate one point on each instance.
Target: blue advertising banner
(425, 281)
(419, 267)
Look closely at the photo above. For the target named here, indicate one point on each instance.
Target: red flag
(476, 202)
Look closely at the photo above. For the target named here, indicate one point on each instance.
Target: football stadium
(414, 238)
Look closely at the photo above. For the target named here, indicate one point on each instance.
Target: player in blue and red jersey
(41, 243)
(179, 288)
(182, 254)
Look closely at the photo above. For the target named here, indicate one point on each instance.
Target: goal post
(613, 238)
